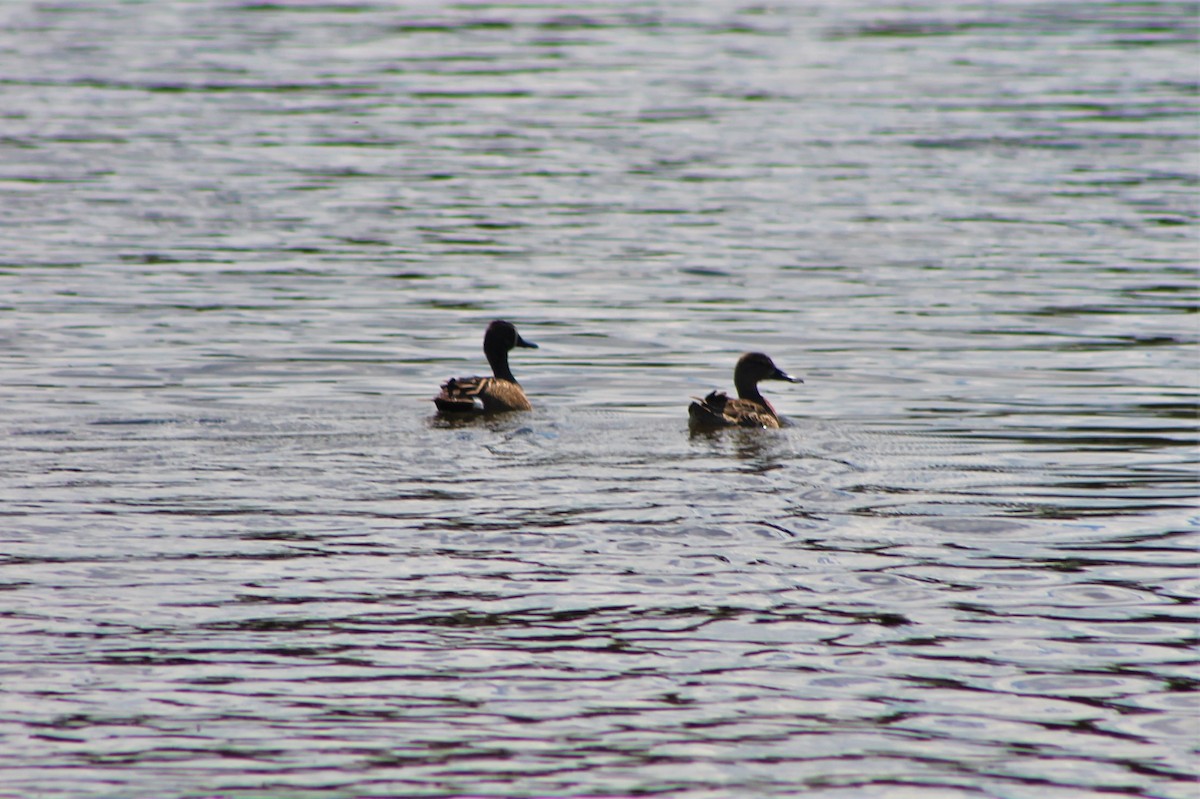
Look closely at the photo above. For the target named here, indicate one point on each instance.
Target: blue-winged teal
(750, 409)
(488, 394)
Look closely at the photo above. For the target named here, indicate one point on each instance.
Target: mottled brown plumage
(501, 392)
(750, 409)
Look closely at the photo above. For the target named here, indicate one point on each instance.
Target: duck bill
(523, 343)
(782, 375)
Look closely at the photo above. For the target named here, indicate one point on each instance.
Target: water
(243, 243)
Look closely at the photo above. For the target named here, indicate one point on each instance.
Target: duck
(495, 394)
(750, 409)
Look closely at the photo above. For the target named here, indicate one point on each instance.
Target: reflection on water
(244, 244)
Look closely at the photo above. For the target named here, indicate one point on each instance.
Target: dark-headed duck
(501, 392)
(750, 409)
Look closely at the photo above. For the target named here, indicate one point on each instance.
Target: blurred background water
(243, 242)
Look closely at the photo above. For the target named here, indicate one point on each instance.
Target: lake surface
(244, 242)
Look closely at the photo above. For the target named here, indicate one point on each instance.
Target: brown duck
(750, 409)
(501, 392)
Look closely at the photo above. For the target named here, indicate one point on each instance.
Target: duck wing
(710, 411)
(460, 395)
(748, 413)
(486, 394)
(718, 410)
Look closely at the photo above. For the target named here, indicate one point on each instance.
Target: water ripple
(245, 244)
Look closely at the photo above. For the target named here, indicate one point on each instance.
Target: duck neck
(498, 359)
(748, 390)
